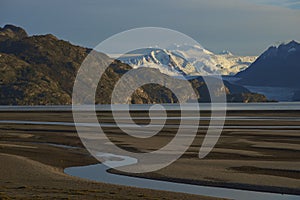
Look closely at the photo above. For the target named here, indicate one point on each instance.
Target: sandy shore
(259, 159)
(33, 169)
(23, 178)
(255, 159)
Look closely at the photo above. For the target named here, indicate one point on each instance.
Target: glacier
(188, 60)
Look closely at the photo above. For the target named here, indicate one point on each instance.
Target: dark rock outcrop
(12, 32)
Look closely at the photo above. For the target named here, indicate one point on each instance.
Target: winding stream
(99, 173)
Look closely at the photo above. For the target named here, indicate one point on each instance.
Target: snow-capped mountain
(188, 60)
(224, 63)
(164, 60)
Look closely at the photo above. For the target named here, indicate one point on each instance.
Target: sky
(244, 27)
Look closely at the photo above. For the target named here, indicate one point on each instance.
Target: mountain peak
(293, 43)
(283, 50)
(50, 36)
(287, 43)
(13, 32)
(289, 47)
(225, 52)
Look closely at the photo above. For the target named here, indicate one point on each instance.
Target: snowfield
(188, 60)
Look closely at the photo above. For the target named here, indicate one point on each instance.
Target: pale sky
(244, 27)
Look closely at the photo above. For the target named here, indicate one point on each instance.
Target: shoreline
(235, 186)
(39, 180)
(240, 159)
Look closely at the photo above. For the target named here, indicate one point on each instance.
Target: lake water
(113, 125)
(203, 106)
(274, 93)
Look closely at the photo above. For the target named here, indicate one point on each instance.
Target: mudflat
(247, 156)
(33, 158)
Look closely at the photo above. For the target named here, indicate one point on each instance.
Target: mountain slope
(277, 66)
(21, 85)
(207, 63)
(166, 61)
(40, 70)
(187, 60)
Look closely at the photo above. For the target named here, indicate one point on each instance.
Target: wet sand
(252, 158)
(33, 158)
